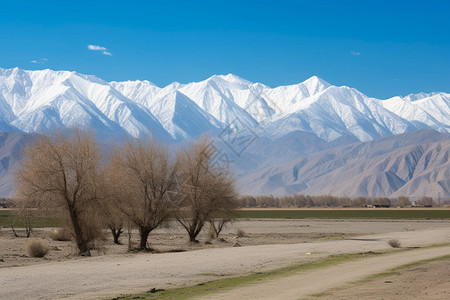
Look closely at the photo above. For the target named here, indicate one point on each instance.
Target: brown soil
(268, 244)
(173, 238)
(328, 280)
(425, 281)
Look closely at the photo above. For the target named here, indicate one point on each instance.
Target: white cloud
(99, 48)
(355, 53)
(95, 47)
(39, 61)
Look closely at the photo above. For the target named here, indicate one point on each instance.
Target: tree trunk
(219, 227)
(116, 234)
(28, 230)
(14, 231)
(81, 242)
(192, 237)
(194, 231)
(144, 232)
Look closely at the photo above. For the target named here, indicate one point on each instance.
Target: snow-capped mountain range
(39, 101)
(311, 137)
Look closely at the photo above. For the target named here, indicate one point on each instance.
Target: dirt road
(113, 275)
(305, 283)
(426, 281)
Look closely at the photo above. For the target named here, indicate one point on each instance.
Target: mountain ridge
(41, 100)
(302, 124)
(410, 164)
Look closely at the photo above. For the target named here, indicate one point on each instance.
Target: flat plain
(267, 244)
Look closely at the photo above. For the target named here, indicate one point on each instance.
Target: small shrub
(394, 243)
(240, 233)
(211, 233)
(35, 248)
(99, 246)
(104, 236)
(60, 234)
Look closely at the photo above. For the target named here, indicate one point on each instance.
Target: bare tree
(59, 172)
(403, 201)
(218, 222)
(112, 218)
(206, 190)
(142, 175)
(115, 224)
(425, 201)
(24, 213)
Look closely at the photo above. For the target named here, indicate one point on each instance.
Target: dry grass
(394, 243)
(36, 248)
(211, 233)
(240, 233)
(60, 234)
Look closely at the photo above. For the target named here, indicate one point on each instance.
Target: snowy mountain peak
(37, 101)
(315, 85)
(256, 126)
(234, 78)
(228, 79)
(8, 72)
(135, 83)
(419, 96)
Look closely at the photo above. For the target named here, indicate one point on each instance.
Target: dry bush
(425, 201)
(211, 232)
(99, 245)
(24, 213)
(60, 234)
(240, 233)
(394, 243)
(403, 201)
(218, 223)
(36, 248)
(104, 236)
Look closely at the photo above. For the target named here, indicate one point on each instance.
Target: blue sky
(382, 48)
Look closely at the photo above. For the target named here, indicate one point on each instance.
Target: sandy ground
(302, 284)
(173, 238)
(284, 242)
(426, 281)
